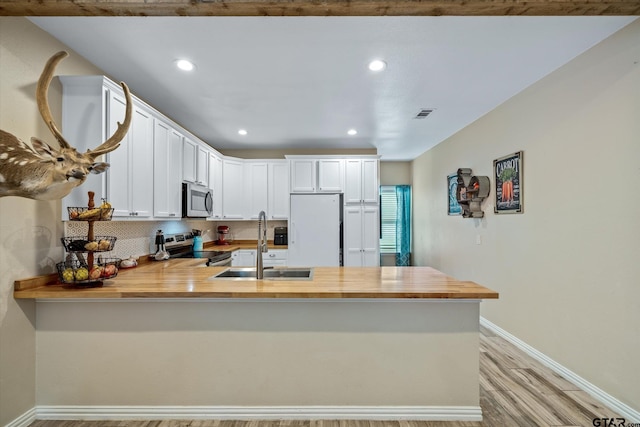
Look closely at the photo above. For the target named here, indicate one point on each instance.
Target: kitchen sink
(282, 273)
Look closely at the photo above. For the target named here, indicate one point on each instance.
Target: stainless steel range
(181, 246)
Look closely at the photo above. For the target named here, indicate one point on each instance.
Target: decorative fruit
(90, 214)
(91, 246)
(96, 272)
(73, 214)
(109, 270)
(104, 245)
(82, 274)
(105, 204)
(67, 275)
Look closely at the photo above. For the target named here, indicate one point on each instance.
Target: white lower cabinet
(243, 258)
(274, 258)
(247, 258)
(361, 236)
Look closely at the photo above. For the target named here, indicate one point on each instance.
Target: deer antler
(43, 105)
(114, 142)
(42, 97)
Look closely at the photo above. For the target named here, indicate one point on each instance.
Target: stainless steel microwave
(197, 201)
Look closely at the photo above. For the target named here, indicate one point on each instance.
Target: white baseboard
(426, 413)
(24, 420)
(605, 398)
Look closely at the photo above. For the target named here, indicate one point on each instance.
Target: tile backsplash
(134, 237)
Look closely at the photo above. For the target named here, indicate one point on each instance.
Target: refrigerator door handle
(293, 232)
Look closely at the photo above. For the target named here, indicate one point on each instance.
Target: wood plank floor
(515, 391)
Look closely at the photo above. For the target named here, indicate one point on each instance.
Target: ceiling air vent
(424, 113)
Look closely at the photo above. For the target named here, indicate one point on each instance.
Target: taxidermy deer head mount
(44, 173)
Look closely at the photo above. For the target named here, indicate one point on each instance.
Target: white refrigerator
(315, 230)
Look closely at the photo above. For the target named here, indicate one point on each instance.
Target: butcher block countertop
(189, 278)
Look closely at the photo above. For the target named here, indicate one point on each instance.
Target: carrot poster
(507, 174)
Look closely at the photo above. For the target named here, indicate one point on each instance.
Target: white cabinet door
(370, 186)
(352, 229)
(278, 190)
(274, 258)
(189, 160)
(167, 171)
(243, 258)
(361, 181)
(202, 166)
(215, 184)
(353, 181)
(141, 162)
(130, 177)
(370, 237)
(303, 175)
(256, 189)
(361, 237)
(330, 173)
(233, 188)
(118, 172)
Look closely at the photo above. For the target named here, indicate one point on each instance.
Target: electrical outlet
(478, 239)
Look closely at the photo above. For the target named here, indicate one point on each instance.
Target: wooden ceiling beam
(318, 7)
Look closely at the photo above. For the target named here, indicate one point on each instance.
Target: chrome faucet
(262, 244)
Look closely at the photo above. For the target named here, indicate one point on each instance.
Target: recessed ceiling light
(242, 132)
(185, 65)
(377, 65)
(352, 132)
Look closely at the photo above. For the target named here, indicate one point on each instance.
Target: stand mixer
(223, 230)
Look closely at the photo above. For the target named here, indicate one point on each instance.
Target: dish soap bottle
(197, 243)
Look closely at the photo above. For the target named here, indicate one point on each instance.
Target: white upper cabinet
(370, 181)
(215, 184)
(189, 160)
(256, 192)
(195, 162)
(278, 189)
(202, 166)
(361, 181)
(129, 180)
(303, 175)
(330, 175)
(233, 189)
(316, 175)
(167, 171)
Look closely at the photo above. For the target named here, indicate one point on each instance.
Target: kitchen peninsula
(163, 340)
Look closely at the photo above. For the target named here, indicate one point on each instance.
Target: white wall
(568, 268)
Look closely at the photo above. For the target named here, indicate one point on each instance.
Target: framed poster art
(452, 188)
(507, 175)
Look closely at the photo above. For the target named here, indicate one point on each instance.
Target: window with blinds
(388, 210)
